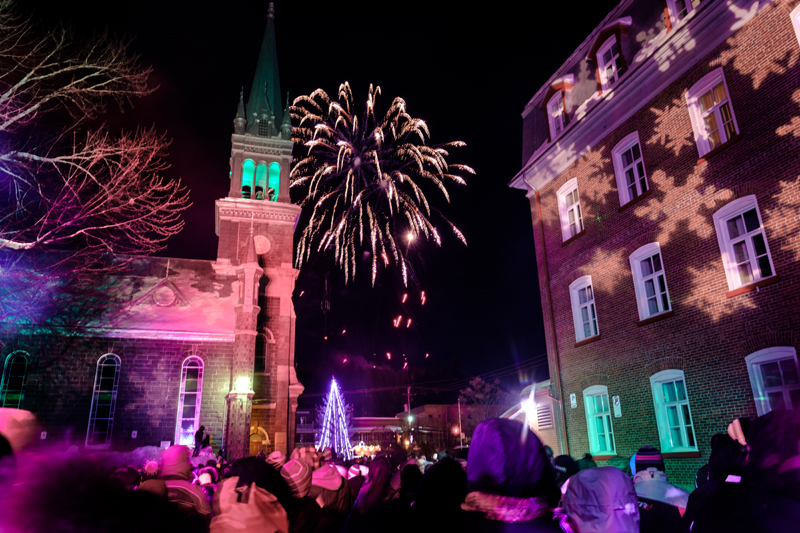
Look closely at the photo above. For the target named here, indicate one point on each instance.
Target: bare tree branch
(64, 185)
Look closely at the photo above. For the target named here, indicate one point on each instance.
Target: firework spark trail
(367, 173)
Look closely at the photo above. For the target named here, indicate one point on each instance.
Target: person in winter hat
(601, 500)
(304, 513)
(661, 504)
(511, 481)
(176, 473)
(438, 498)
(332, 493)
(276, 459)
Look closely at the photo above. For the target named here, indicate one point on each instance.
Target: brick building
(661, 162)
(147, 356)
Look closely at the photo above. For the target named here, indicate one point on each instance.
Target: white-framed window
(609, 62)
(104, 401)
(569, 207)
(711, 112)
(598, 421)
(673, 416)
(796, 21)
(680, 9)
(15, 374)
(629, 168)
(556, 117)
(584, 312)
(649, 280)
(743, 243)
(189, 400)
(774, 379)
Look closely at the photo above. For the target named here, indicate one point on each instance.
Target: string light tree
(334, 425)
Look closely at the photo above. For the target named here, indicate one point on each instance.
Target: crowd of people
(510, 482)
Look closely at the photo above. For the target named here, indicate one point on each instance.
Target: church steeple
(264, 100)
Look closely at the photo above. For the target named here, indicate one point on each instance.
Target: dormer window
(610, 63)
(555, 105)
(606, 53)
(680, 9)
(555, 115)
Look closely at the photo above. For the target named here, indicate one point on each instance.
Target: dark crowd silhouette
(509, 482)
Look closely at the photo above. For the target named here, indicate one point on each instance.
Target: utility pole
(460, 430)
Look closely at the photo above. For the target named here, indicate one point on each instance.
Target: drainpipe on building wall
(562, 426)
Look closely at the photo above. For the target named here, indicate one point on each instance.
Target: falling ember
(366, 180)
(388, 356)
(344, 360)
(344, 331)
(427, 355)
(301, 293)
(408, 324)
(423, 298)
(405, 297)
(405, 365)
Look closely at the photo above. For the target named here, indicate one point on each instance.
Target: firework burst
(367, 180)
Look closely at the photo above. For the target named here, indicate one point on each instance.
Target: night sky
(467, 72)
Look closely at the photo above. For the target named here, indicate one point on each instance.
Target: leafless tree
(484, 399)
(67, 184)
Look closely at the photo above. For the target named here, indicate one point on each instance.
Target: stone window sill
(736, 138)
(750, 287)
(656, 318)
(681, 455)
(641, 198)
(579, 234)
(590, 340)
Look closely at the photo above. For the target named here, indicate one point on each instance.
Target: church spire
(265, 93)
(286, 126)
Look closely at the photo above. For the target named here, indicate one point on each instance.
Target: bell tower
(255, 225)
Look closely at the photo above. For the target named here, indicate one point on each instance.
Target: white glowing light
(242, 384)
(410, 419)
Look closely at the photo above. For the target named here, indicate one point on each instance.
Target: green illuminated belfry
(258, 177)
(255, 224)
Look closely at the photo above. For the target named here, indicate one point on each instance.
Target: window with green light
(274, 180)
(248, 172)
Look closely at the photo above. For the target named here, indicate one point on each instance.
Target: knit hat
(308, 454)
(326, 455)
(276, 459)
(297, 475)
(649, 457)
(150, 469)
(327, 477)
(353, 472)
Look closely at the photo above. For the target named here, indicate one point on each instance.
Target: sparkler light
(365, 179)
(333, 431)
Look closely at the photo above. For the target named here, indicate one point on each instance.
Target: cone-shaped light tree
(333, 429)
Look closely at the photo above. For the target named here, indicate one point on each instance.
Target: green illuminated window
(274, 181)
(248, 173)
(261, 182)
(15, 374)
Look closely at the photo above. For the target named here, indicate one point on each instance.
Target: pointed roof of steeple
(266, 74)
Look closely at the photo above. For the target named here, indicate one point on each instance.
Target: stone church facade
(147, 356)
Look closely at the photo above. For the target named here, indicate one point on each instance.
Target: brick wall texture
(710, 334)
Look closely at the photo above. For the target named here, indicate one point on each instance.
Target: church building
(147, 356)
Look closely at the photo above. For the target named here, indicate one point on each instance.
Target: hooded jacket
(602, 500)
(512, 482)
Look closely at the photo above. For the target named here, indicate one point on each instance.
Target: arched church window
(104, 400)
(248, 173)
(15, 373)
(189, 400)
(262, 351)
(261, 181)
(274, 180)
